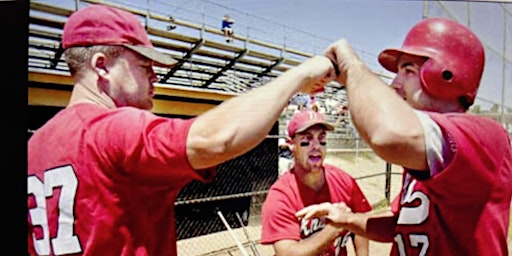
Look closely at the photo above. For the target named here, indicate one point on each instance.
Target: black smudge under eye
(306, 143)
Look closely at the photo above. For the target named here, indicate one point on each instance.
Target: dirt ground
(369, 173)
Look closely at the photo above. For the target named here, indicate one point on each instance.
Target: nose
(315, 144)
(397, 85)
(152, 76)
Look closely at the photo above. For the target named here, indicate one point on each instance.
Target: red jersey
(464, 209)
(104, 181)
(289, 195)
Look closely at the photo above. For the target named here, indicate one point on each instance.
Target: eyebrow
(322, 136)
(302, 135)
(407, 63)
(413, 61)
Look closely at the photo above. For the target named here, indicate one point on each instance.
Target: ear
(290, 143)
(99, 64)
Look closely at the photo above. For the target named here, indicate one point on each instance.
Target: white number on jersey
(412, 216)
(65, 242)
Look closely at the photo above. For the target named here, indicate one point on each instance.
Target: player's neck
(82, 94)
(313, 178)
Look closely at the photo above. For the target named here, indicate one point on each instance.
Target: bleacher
(209, 69)
(203, 63)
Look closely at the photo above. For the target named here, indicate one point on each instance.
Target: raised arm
(241, 123)
(384, 120)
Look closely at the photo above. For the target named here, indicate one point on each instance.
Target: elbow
(227, 144)
(390, 143)
(383, 138)
(207, 151)
(216, 146)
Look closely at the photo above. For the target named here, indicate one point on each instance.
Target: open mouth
(315, 159)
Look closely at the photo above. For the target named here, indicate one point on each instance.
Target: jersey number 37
(65, 242)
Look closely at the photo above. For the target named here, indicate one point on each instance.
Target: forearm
(361, 245)
(311, 246)
(240, 123)
(383, 119)
(377, 227)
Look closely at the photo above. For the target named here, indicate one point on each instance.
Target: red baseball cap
(304, 120)
(103, 25)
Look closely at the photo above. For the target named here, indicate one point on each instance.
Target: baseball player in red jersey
(457, 180)
(310, 181)
(104, 172)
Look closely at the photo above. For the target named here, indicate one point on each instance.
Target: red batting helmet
(455, 58)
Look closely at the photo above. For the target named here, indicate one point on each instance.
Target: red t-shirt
(103, 182)
(288, 195)
(464, 209)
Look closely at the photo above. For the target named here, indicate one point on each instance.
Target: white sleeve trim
(434, 143)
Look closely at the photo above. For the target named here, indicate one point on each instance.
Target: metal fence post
(388, 182)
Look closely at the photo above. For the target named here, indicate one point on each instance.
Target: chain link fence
(223, 217)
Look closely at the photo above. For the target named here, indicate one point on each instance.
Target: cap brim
(153, 54)
(306, 126)
(389, 58)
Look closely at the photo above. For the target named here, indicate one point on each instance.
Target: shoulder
(130, 118)
(123, 115)
(284, 184)
(463, 120)
(335, 175)
(285, 179)
(346, 189)
(130, 125)
(478, 144)
(336, 171)
(469, 127)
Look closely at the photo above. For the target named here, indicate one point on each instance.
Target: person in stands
(103, 173)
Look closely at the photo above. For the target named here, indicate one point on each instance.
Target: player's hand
(342, 56)
(335, 212)
(319, 72)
